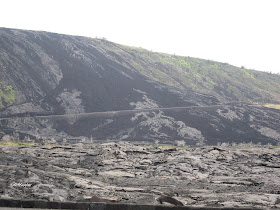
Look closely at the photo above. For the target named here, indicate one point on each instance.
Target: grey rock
(246, 176)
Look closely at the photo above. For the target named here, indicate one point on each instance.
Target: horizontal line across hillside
(119, 112)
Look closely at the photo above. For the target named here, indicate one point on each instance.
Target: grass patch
(16, 143)
(7, 95)
(273, 106)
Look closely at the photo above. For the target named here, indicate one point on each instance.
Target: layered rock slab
(241, 176)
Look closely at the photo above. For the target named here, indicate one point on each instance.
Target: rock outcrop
(236, 176)
(170, 200)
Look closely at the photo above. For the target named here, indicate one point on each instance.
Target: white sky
(239, 32)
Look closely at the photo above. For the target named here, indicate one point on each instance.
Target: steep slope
(45, 75)
(226, 82)
(50, 69)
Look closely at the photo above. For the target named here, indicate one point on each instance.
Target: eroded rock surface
(126, 173)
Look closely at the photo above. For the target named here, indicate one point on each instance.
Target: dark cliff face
(49, 69)
(54, 74)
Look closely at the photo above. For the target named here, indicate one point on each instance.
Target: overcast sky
(239, 32)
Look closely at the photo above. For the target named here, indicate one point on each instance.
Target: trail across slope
(111, 113)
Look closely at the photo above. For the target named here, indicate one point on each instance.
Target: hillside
(64, 87)
(226, 82)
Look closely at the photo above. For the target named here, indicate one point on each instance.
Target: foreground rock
(126, 173)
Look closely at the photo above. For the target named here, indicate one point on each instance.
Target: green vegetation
(7, 95)
(14, 140)
(16, 143)
(112, 179)
(222, 80)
